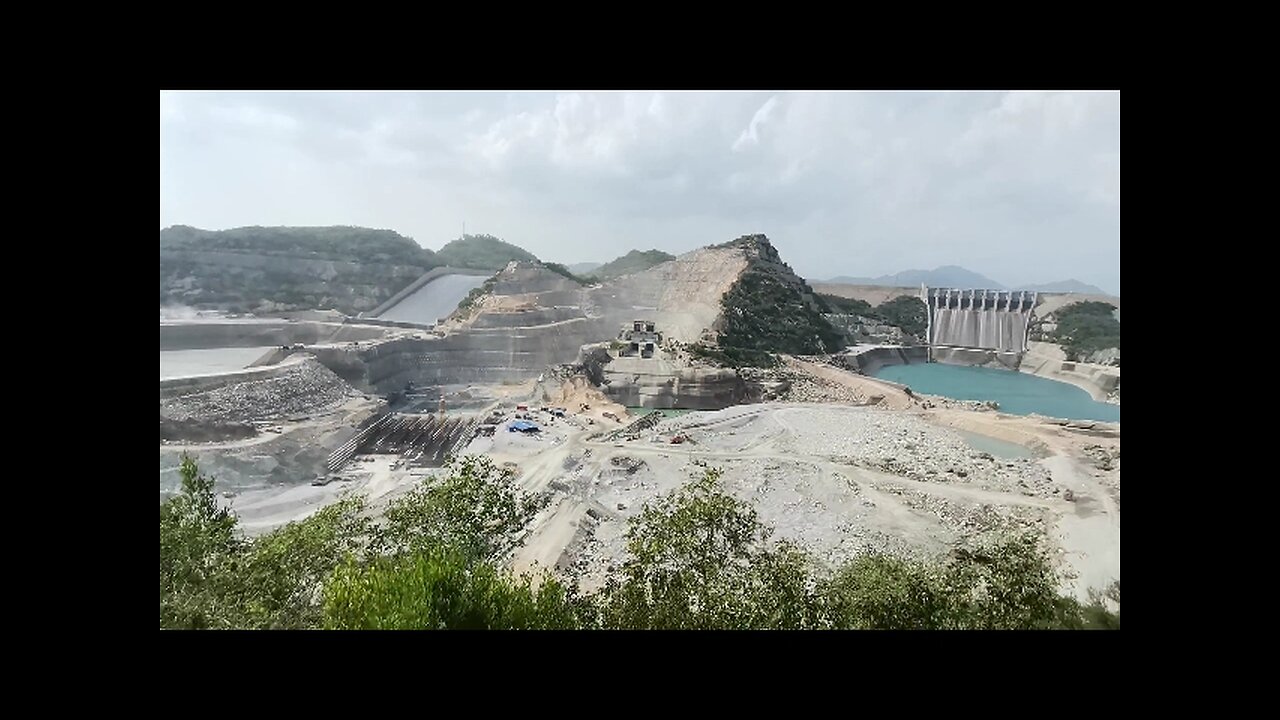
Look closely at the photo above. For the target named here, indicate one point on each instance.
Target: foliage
(341, 243)
(734, 356)
(846, 306)
(197, 544)
(700, 559)
(476, 509)
(633, 262)
(438, 589)
(484, 252)
(1085, 328)
(473, 297)
(280, 577)
(211, 579)
(563, 271)
(906, 312)
(1005, 584)
(764, 312)
(287, 268)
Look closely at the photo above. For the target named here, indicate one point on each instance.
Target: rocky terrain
(303, 388)
(838, 480)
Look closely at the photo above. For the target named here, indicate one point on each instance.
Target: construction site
(601, 397)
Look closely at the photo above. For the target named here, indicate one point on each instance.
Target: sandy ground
(263, 510)
(839, 480)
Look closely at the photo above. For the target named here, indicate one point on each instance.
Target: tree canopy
(697, 558)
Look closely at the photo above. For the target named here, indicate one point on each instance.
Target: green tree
(476, 508)
(701, 559)
(280, 576)
(441, 589)
(197, 545)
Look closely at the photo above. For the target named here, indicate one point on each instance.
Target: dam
(430, 298)
(998, 320)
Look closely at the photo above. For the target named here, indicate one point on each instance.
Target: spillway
(979, 319)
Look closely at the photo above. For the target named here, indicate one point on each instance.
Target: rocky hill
(770, 309)
(274, 269)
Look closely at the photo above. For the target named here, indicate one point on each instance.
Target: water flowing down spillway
(976, 328)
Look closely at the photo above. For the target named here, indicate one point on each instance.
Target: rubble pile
(306, 388)
(793, 385)
(906, 446)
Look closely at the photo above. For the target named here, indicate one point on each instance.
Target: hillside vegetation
(1085, 328)
(633, 262)
(768, 310)
(483, 252)
(267, 269)
(697, 558)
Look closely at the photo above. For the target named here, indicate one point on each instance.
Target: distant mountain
(583, 268)
(272, 269)
(1065, 286)
(633, 262)
(482, 252)
(945, 276)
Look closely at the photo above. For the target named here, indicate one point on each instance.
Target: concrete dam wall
(996, 320)
(432, 297)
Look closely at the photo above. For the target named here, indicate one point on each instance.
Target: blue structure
(523, 426)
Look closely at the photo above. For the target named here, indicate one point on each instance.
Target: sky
(1023, 187)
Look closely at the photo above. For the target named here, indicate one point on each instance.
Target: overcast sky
(1023, 187)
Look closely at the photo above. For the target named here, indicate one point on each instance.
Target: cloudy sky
(1023, 187)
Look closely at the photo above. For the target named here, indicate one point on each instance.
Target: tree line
(697, 558)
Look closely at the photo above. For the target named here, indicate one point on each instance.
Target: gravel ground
(306, 388)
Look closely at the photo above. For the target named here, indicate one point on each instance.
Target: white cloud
(852, 183)
(751, 134)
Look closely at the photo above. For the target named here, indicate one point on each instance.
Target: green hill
(484, 252)
(633, 262)
(273, 269)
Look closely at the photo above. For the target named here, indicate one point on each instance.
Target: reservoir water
(1017, 393)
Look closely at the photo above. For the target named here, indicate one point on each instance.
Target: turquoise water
(1017, 393)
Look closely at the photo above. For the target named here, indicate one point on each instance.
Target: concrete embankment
(1048, 360)
(416, 285)
(868, 359)
(471, 356)
(254, 333)
(976, 357)
(175, 387)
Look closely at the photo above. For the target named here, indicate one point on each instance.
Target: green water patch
(1017, 393)
(996, 447)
